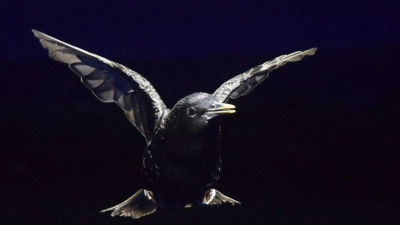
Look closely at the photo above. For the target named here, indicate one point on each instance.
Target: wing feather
(244, 83)
(110, 82)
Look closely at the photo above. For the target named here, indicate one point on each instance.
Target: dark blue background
(316, 143)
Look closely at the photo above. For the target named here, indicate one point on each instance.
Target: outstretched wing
(244, 83)
(110, 82)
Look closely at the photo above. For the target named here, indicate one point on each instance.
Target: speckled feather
(244, 83)
(110, 82)
(182, 160)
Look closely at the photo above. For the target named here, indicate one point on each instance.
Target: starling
(182, 159)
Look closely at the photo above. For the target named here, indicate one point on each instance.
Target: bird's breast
(183, 162)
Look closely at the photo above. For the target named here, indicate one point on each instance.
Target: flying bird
(182, 159)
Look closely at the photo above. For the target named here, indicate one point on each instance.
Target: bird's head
(193, 112)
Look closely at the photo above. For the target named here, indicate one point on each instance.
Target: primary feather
(182, 160)
(110, 82)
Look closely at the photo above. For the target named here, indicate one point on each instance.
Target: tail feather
(214, 197)
(140, 204)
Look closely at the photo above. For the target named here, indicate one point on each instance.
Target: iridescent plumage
(182, 160)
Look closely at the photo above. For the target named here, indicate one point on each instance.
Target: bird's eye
(191, 112)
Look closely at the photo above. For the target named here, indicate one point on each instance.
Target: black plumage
(182, 160)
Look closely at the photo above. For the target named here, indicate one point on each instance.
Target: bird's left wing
(244, 83)
(110, 82)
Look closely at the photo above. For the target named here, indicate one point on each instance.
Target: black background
(316, 143)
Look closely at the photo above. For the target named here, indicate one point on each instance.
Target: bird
(182, 160)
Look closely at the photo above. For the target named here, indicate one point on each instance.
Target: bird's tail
(140, 204)
(214, 197)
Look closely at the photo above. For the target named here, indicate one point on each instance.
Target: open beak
(217, 109)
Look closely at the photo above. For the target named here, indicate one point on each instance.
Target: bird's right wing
(244, 83)
(110, 82)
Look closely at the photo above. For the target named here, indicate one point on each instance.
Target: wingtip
(106, 210)
(311, 51)
(36, 33)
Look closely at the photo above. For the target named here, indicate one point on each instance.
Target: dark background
(316, 143)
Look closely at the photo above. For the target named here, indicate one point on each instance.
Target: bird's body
(182, 160)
